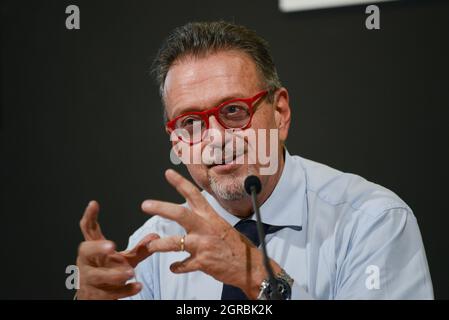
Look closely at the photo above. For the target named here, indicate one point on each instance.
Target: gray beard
(231, 189)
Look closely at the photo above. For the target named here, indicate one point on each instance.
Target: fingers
(140, 252)
(112, 293)
(115, 260)
(187, 265)
(187, 189)
(128, 290)
(171, 211)
(89, 226)
(108, 277)
(95, 252)
(104, 273)
(198, 204)
(173, 243)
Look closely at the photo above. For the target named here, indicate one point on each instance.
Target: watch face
(280, 290)
(284, 289)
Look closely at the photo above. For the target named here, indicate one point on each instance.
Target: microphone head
(252, 181)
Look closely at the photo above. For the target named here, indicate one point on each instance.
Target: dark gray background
(81, 118)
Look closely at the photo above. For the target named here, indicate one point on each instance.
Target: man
(330, 235)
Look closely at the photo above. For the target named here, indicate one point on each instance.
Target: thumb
(140, 251)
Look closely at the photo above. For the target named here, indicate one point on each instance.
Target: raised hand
(215, 247)
(104, 271)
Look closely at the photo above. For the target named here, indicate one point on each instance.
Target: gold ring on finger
(182, 244)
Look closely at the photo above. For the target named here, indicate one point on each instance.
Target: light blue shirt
(353, 240)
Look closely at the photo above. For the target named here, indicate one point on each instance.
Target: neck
(243, 208)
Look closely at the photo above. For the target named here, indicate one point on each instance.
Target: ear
(282, 113)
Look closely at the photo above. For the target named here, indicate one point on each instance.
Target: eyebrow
(217, 103)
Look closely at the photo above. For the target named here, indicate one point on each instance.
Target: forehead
(198, 83)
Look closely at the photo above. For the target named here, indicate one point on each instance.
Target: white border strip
(301, 5)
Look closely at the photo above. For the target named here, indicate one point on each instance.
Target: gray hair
(199, 39)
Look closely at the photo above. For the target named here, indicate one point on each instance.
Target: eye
(188, 121)
(234, 110)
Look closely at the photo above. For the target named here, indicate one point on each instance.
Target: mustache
(224, 156)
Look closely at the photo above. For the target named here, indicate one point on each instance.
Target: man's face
(198, 84)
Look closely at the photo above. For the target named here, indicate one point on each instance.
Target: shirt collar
(286, 204)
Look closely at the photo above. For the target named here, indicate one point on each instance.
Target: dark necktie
(249, 229)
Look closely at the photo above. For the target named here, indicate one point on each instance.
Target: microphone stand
(254, 188)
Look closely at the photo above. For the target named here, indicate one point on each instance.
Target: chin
(229, 185)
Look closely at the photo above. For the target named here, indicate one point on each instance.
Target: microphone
(252, 182)
(253, 186)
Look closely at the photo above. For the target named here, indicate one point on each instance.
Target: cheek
(265, 119)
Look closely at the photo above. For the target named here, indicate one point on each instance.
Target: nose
(216, 133)
(214, 124)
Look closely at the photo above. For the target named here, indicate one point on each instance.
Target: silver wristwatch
(284, 287)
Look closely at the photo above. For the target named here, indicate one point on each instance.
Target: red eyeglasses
(232, 114)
